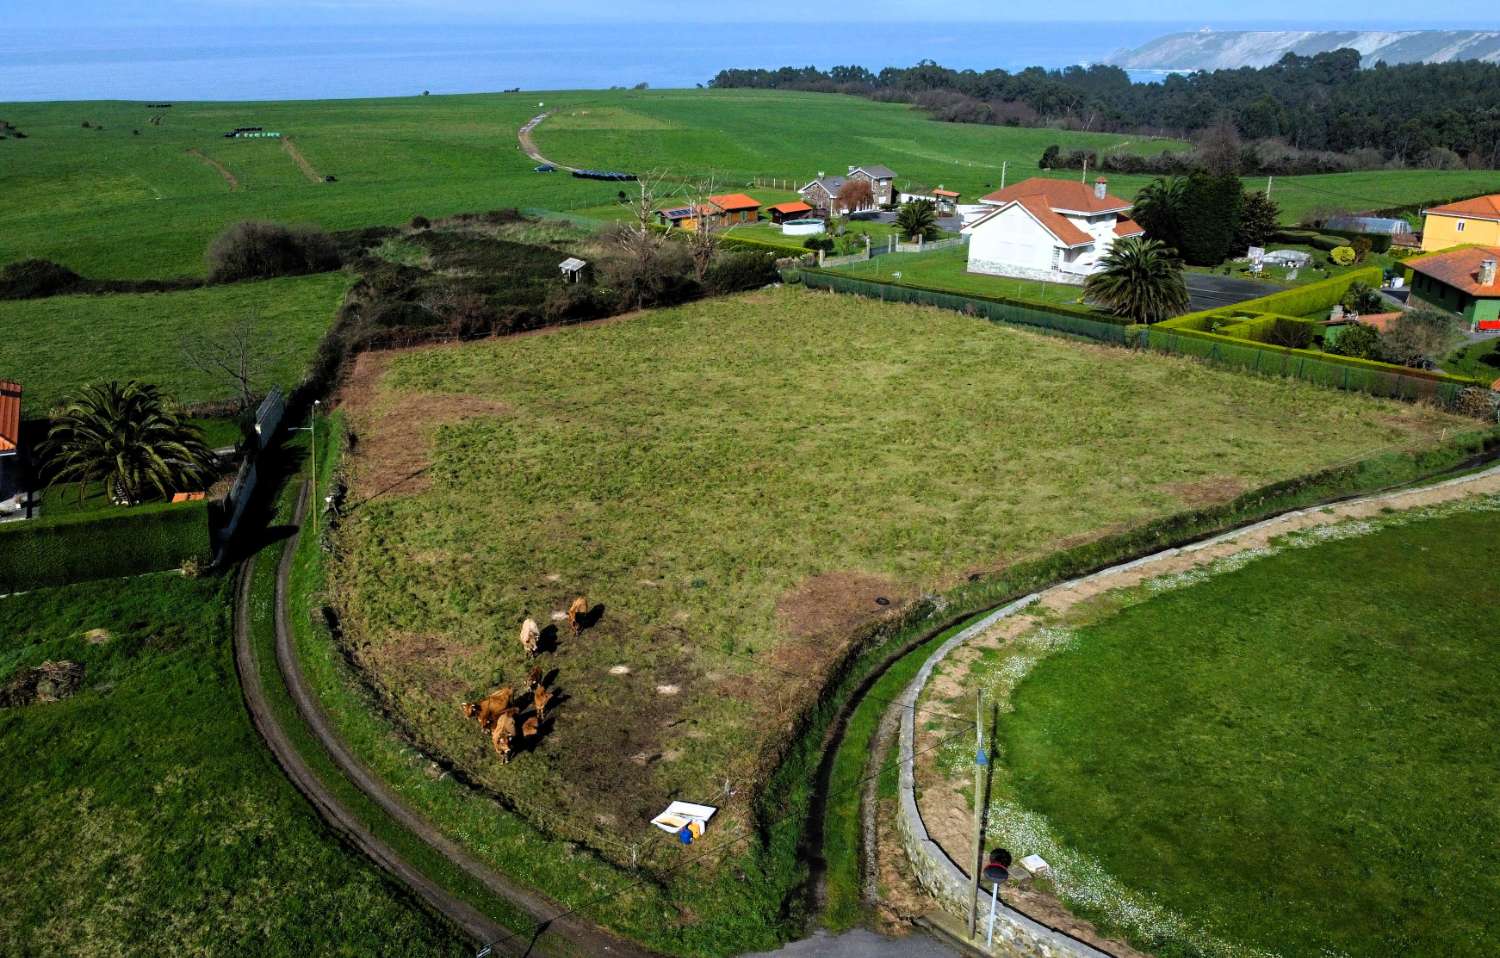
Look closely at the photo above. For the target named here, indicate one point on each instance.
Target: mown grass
(948, 269)
(142, 816)
(691, 469)
(55, 346)
(1297, 755)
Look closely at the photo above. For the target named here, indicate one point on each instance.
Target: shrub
(1421, 336)
(420, 223)
(575, 302)
(732, 272)
(816, 243)
(1357, 340)
(119, 542)
(33, 278)
(1326, 243)
(1342, 255)
(256, 250)
(1360, 298)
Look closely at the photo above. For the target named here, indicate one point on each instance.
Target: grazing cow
(529, 727)
(534, 680)
(540, 696)
(531, 636)
(504, 733)
(576, 611)
(487, 709)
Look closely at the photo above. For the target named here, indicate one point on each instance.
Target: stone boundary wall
(991, 267)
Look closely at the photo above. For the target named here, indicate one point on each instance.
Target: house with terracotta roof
(1462, 281)
(1474, 221)
(1053, 230)
(11, 492)
(726, 209)
(793, 210)
(944, 200)
(736, 208)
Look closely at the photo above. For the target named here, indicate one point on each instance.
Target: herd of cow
(503, 714)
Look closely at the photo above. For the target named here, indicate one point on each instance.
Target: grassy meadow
(57, 344)
(143, 815)
(736, 483)
(1276, 756)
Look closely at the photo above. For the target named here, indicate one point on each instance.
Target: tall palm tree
(1140, 278)
(128, 438)
(1158, 208)
(917, 218)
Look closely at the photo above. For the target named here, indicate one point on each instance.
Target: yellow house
(1468, 222)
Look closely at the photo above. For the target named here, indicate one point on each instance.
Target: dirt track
(307, 168)
(554, 921)
(220, 168)
(529, 145)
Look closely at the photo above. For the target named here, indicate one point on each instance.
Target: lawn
(948, 269)
(142, 815)
(1290, 757)
(1480, 359)
(58, 344)
(736, 482)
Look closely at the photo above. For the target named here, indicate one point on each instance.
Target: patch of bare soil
(301, 161)
(423, 661)
(220, 168)
(836, 602)
(396, 433)
(1206, 492)
(48, 682)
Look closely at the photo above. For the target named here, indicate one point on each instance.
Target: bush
(114, 543)
(1360, 298)
(1357, 340)
(817, 243)
(34, 278)
(1421, 336)
(733, 272)
(1326, 243)
(420, 223)
(1342, 255)
(256, 250)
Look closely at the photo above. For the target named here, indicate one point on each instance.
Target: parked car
(544, 168)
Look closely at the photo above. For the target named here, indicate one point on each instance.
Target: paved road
(862, 944)
(1206, 291)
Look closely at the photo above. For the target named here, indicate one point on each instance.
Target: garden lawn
(143, 816)
(948, 269)
(1299, 756)
(733, 484)
(58, 344)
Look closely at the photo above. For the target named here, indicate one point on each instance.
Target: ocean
(320, 61)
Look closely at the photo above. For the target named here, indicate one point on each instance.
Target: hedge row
(1079, 312)
(1324, 294)
(102, 545)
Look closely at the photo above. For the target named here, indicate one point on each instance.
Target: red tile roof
(1128, 227)
(787, 208)
(729, 202)
(1459, 268)
(1381, 321)
(1058, 226)
(10, 415)
(1480, 207)
(1070, 195)
(944, 193)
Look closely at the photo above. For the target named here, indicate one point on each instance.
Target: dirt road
(529, 145)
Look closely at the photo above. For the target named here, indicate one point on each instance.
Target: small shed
(795, 210)
(573, 269)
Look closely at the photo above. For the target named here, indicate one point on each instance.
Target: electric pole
(981, 762)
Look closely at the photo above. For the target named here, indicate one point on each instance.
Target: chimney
(853, 168)
(1487, 273)
(1101, 186)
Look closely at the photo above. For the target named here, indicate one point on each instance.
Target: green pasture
(948, 269)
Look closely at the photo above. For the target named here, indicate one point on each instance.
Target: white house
(1053, 230)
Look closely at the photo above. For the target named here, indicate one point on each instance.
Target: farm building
(11, 493)
(725, 209)
(1470, 221)
(882, 180)
(782, 212)
(736, 208)
(1052, 230)
(1461, 280)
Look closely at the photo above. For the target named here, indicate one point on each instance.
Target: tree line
(1443, 115)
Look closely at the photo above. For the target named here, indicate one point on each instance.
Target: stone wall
(996, 268)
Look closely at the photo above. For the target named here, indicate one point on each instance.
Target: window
(1460, 226)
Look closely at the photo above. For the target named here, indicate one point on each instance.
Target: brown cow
(540, 696)
(531, 636)
(504, 734)
(576, 612)
(534, 680)
(487, 709)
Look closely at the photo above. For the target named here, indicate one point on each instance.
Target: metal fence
(1000, 312)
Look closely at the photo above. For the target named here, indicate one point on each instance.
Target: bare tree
(703, 241)
(236, 355)
(856, 194)
(642, 269)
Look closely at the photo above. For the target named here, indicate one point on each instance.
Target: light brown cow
(531, 636)
(504, 734)
(487, 709)
(540, 696)
(576, 612)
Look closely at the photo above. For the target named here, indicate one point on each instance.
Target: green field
(949, 269)
(142, 816)
(58, 344)
(111, 203)
(736, 482)
(1290, 757)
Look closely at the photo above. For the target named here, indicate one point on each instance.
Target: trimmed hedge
(102, 545)
(1301, 300)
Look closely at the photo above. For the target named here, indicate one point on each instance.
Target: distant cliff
(1215, 50)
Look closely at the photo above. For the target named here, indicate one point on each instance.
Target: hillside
(1227, 50)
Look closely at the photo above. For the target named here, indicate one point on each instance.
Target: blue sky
(1372, 14)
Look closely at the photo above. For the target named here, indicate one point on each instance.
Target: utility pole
(317, 513)
(1085, 168)
(1268, 186)
(981, 762)
(1004, 164)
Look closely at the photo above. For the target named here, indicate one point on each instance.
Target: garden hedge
(1302, 300)
(100, 545)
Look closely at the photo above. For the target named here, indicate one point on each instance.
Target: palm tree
(128, 438)
(917, 218)
(1140, 278)
(1158, 208)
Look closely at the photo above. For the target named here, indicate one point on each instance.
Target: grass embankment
(948, 269)
(1288, 754)
(737, 482)
(56, 345)
(142, 815)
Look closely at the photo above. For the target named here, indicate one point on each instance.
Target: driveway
(1206, 291)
